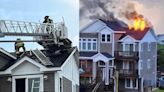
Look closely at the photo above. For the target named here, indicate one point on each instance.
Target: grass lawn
(159, 90)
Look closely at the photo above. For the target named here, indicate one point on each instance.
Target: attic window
(108, 38)
(103, 37)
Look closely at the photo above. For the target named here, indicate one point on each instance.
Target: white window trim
(131, 84)
(26, 81)
(86, 44)
(106, 38)
(134, 49)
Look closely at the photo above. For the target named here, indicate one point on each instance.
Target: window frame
(105, 38)
(27, 77)
(131, 83)
(86, 41)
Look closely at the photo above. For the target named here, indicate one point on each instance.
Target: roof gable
(128, 39)
(149, 37)
(95, 27)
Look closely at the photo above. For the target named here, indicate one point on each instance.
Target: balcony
(128, 72)
(126, 55)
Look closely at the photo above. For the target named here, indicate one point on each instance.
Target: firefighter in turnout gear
(18, 45)
(49, 24)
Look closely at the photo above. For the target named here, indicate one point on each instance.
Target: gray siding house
(40, 71)
(119, 58)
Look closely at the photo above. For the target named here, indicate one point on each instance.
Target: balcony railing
(126, 54)
(127, 72)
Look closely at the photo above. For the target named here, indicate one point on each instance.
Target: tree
(160, 53)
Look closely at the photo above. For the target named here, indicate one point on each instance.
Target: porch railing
(127, 72)
(126, 54)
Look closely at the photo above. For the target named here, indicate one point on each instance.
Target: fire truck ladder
(39, 31)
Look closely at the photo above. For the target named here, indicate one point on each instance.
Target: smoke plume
(125, 10)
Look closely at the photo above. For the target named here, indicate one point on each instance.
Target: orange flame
(138, 24)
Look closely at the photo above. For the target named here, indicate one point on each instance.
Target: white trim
(113, 43)
(26, 81)
(106, 38)
(128, 36)
(27, 59)
(101, 57)
(131, 83)
(67, 60)
(86, 44)
(5, 52)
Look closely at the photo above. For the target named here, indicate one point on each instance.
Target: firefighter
(19, 44)
(49, 23)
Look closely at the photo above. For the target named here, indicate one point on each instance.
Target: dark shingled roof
(90, 54)
(87, 54)
(56, 58)
(118, 25)
(138, 35)
(115, 25)
(107, 55)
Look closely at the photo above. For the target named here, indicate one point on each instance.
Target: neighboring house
(40, 71)
(160, 38)
(109, 46)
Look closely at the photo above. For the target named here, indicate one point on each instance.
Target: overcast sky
(35, 10)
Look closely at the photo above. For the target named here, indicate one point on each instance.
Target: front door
(20, 85)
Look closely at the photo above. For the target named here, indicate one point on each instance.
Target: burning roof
(119, 25)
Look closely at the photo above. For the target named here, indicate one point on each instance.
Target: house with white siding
(117, 57)
(40, 71)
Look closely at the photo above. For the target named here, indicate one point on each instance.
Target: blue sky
(35, 10)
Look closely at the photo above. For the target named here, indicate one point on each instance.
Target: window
(94, 46)
(131, 83)
(110, 63)
(89, 46)
(127, 82)
(108, 38)
(34, 85)
(103, 37)
(31, 83)
(134, 81)
(80, 45)
(84, 46)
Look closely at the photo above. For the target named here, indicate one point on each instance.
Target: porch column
(142, 88)
(94, 71)
(107, 73)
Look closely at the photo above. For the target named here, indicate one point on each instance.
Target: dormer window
(105, 38)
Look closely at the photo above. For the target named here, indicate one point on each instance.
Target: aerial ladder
(49, 35)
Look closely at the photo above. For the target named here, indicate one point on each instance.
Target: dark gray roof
(87, 54)
(107, 54)
(116, 25)
(90, 54)
(57, 58)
